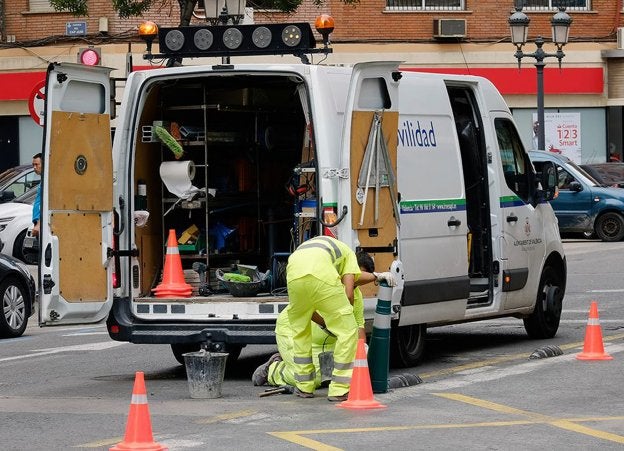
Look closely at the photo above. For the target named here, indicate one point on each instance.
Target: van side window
(514, 159)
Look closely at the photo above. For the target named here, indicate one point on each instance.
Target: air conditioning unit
(449, 28)
(620, 38)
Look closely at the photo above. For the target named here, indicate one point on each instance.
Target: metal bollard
(379, 346)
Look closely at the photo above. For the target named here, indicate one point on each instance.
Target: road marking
(227, 416)
(100, 346)
(617, 290)
(82, 334)
(566, 424)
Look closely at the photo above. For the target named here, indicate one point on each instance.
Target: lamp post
(519, 26)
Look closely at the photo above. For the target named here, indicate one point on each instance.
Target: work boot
(261, 375)
(303, 394)
(338, 398)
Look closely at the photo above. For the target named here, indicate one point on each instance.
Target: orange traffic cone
(139, 428)
(593, 348)
(173, 284)
(361, 391)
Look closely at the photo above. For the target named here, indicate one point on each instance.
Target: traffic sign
(36, 102)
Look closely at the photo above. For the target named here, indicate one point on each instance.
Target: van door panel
(372, 90)
(77, 200)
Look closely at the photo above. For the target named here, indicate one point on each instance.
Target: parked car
(16, 181)
(584, 204)
(15, 219)
(609, 174)
(17, 292)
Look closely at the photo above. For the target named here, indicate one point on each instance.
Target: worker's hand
(35, 229)
(387, 277)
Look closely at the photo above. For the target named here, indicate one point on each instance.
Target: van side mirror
(548, 179)
(575, 186)
(6, 195)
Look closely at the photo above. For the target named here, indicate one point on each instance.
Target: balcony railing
(420, 5)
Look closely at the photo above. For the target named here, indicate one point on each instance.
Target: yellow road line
(556, 422)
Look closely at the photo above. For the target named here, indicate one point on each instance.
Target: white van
(426, 172)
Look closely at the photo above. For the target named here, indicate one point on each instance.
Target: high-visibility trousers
(283, 372)
(306, 295)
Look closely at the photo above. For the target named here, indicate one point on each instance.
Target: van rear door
(369, 150)
(77, 201)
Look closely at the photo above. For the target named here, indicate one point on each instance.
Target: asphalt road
(70, 388)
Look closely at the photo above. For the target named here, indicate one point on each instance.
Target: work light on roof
(236, 40)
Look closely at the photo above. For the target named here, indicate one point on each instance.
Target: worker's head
(365, 261)
(36, 162)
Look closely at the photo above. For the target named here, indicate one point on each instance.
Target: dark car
(16, 181)
(609, 174)
(17, 292)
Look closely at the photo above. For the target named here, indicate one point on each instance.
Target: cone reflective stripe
(379, 346)
(139, 428)
(173, 284)
(360, 392)
(593, 348)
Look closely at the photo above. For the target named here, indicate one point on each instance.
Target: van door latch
(110, 253)
(47, 284)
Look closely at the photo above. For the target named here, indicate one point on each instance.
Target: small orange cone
(139, 428)
(173, 284)
(361, 391)
(593, 348)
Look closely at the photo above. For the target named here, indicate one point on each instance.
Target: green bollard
(379, 346)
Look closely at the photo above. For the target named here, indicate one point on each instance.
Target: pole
(539, 65)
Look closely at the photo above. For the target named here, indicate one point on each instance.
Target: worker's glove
(385, 276)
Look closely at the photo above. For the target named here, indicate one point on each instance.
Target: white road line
(85, 347)
(617, 290)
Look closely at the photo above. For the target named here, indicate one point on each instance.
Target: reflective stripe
(332, 244)
(318, 245)
(305, 377)
(341, 379)
(593, 322)
(381, 321)
(173, 250)
(360, 363)
(343, 366)
(302, 360)
(139, 399)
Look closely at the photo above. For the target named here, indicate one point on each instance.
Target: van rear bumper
(122, 325)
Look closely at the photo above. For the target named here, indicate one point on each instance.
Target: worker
(36, 212)
(280, 369)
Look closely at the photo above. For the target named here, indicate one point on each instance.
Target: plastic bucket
(204, 372)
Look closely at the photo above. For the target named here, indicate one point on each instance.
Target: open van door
(369, 144)
(75, 276)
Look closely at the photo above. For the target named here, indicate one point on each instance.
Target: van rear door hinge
(47, 284)
(110, 253)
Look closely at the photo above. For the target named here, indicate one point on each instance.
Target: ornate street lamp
(519, 26)
(221, 12)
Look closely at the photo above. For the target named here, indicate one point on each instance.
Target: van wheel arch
(407, 345)
(543, 322)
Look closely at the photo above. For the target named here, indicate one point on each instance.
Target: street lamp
(519, 26)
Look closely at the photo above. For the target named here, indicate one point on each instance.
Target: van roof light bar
(236, 40)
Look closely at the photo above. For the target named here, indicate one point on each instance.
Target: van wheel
(610, 227)
(179, 349)
(544, 321)
(407, 345)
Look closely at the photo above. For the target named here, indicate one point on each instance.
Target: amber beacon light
(324, 24)
(148, 32)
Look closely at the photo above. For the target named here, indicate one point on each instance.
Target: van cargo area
(218, 159)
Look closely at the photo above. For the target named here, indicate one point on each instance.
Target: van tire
(407, 345)
(610, 226)
(544, 321)
(179, 349)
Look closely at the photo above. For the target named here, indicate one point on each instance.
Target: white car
(15, 219)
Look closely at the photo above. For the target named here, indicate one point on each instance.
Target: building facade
(456, 36)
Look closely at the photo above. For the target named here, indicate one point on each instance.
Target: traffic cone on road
(139, 428)
(361, 390)
(173, 284)
(593, 348)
